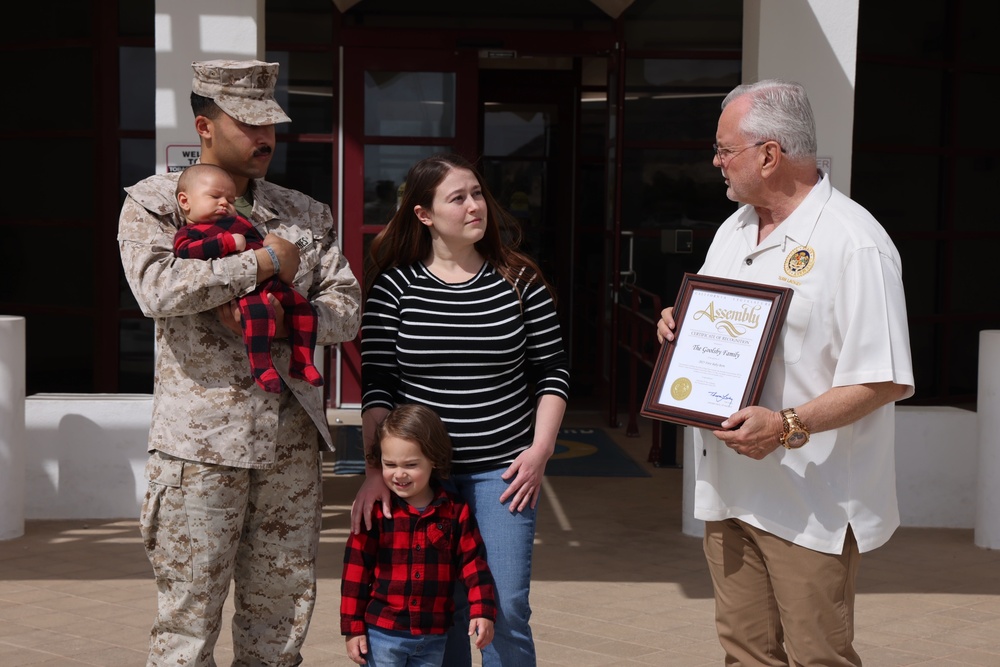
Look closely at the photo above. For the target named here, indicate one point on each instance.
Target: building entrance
(518, 120)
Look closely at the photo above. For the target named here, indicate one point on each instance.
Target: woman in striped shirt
(457, 319)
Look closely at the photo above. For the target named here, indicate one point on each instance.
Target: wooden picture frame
(724, 338)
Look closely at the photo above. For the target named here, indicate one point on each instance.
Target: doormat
(590, 452)
(580, 452)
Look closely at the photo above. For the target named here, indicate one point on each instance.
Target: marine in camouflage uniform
(234, 472)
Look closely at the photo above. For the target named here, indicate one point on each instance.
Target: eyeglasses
(724, 154)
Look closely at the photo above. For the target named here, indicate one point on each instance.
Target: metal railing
(638, 313)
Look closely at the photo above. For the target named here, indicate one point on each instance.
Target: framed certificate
(725, 333)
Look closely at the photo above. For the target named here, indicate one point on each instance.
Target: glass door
(613, 225)
(527, 148)
(399, 107)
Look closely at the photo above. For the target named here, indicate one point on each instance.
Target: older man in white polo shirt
(794, 489)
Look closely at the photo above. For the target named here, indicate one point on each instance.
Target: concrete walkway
(615, 583)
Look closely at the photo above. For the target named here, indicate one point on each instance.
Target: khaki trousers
(777, 603)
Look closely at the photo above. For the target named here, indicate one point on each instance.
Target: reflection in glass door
(527, 163)
(516, 145)
(409, 106)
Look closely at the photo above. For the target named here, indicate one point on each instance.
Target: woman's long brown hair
(406, 240)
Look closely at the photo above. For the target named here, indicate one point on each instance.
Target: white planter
(936, 469)
(85, 455)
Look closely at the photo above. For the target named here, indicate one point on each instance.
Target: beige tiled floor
(615, 583)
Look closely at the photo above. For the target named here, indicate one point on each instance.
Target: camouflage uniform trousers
(204, 525)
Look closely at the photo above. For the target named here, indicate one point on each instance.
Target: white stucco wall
(188, 31)
(812, 42)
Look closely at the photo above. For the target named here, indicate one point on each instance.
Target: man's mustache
(263, 150)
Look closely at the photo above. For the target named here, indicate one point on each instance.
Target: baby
(205, 195)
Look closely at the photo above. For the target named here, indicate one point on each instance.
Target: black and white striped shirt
(466, 351)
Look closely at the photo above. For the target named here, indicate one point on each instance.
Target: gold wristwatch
(796, 434)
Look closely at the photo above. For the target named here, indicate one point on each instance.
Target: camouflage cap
(244, 89)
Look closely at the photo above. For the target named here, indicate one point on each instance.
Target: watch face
(797, 439)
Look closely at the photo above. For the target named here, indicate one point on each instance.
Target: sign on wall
(181, 156)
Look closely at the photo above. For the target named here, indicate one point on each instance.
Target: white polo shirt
(846, 325)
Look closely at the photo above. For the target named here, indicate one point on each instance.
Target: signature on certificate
(722, 399)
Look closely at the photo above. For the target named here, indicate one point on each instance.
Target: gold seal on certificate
(724, 337)
(680, 389)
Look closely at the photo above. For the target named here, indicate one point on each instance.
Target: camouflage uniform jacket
(206, 406)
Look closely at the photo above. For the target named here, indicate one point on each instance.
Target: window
(925, 162)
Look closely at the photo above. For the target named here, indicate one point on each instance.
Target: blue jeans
(391, 648)
(509, 540)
